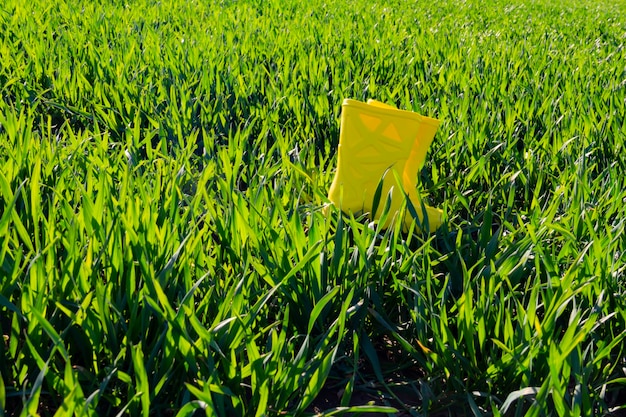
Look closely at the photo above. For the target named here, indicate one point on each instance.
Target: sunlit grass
(163, 245)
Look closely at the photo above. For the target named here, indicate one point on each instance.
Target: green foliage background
(163, 169)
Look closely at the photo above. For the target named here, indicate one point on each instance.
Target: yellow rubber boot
(375, 140)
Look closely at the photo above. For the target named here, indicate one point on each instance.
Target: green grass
(163, 246)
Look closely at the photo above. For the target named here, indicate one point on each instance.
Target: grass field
(163, 246)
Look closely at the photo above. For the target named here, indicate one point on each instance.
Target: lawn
(167, 247)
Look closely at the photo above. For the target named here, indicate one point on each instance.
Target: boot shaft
(375, 141)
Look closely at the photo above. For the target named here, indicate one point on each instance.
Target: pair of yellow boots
(380, 145)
